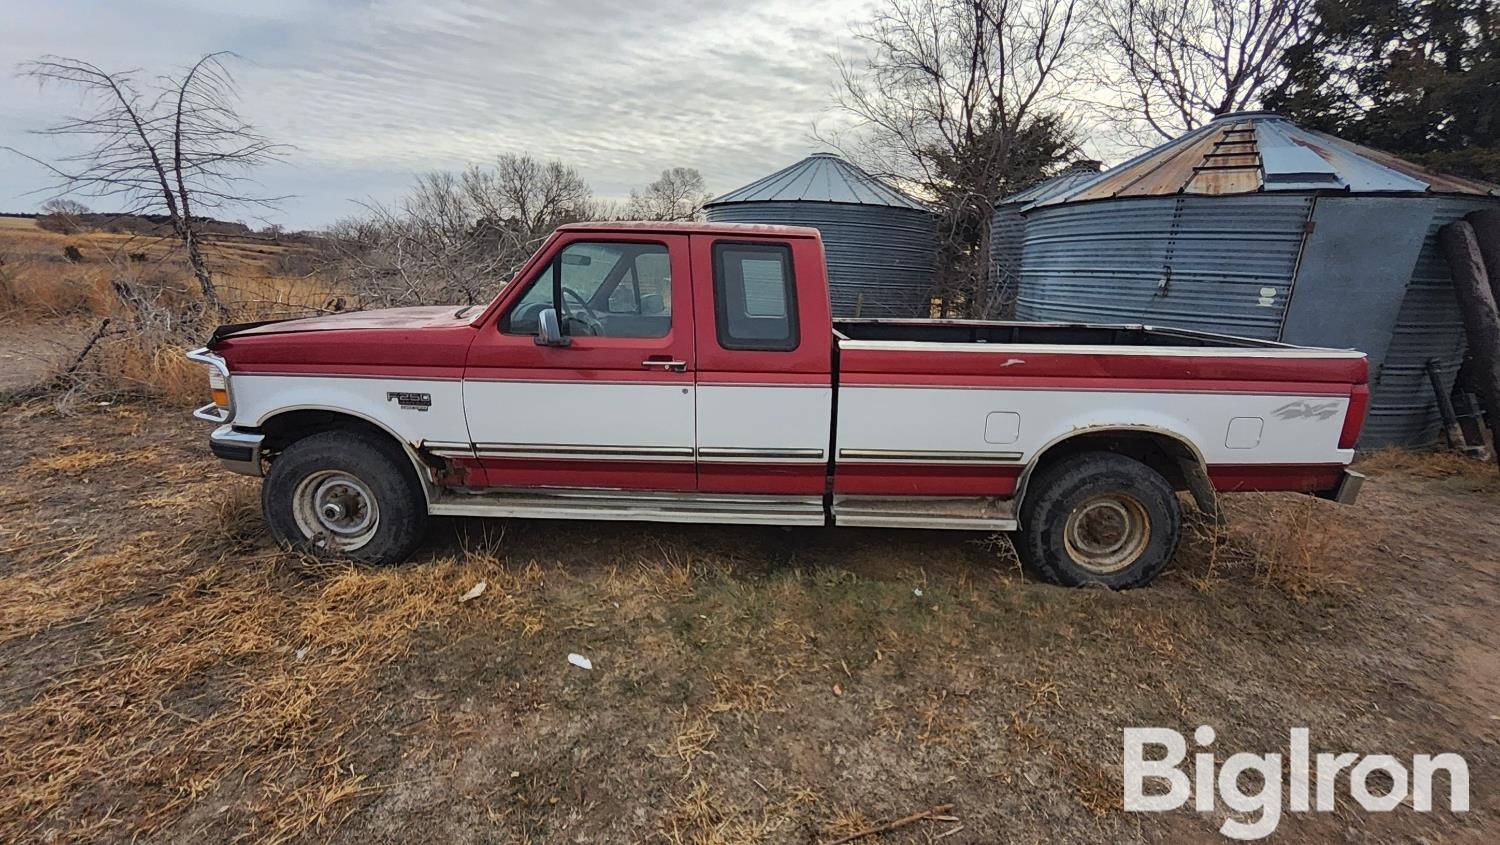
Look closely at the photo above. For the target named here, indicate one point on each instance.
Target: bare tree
(454, 237)
(63, 205)
(964, 101)
(1167, 66)
(176, 148)
(678, 195)
(62, 215)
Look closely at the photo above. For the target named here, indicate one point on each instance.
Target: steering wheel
(588, 318)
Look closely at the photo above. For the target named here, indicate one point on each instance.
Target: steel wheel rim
(1107, 533)
(336, 510)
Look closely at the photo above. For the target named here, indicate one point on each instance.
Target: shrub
(64, 224)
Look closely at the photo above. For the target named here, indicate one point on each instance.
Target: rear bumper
(237, 450)
(1347, 490)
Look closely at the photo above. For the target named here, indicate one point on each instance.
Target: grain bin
(1008, 224)
(1256, 227)
(880, 243)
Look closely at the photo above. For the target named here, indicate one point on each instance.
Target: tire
(1099, 519)
(319, 492)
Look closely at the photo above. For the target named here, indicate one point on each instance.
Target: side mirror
(548, 331)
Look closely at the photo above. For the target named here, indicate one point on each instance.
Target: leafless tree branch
(962, 101)
(455, 237)
(1166, 66)
(678, 195)
(176, 149)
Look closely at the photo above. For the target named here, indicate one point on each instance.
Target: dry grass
(1391, 461)
(141, 351)
(165, 676)
(74, 462)
(1296, 544)
(286, 644)
(1300, 545)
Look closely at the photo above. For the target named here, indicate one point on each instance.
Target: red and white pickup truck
(693, 373)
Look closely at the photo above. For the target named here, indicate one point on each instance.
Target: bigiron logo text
(1311, 780)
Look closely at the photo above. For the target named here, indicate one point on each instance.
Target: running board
(630, 505)
(962, 513)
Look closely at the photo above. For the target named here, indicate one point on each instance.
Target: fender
(1197, 474)
(424, 472)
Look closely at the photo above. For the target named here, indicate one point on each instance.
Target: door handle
(665, 364)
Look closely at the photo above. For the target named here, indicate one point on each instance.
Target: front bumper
(237, 450)
(1348, 488)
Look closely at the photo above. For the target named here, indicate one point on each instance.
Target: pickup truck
(694, 373)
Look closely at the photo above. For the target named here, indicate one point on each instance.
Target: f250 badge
(411, 401)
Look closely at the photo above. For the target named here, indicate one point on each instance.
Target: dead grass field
(62, 298)
(167, 676)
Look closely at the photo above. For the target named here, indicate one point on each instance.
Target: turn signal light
(218, 387)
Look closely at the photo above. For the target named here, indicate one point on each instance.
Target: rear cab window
(755, 302)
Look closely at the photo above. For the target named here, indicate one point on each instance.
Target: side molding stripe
(927, 455)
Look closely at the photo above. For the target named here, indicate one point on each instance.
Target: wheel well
(1176, 461)
(287, 428)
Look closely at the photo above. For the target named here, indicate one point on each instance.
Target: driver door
(614, 408)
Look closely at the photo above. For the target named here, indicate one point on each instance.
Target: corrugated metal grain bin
(1213, 264)
(1008, 225)
(880, 243)
(1256, 227)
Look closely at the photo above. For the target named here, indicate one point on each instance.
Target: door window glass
(607, 290)
(754, 300)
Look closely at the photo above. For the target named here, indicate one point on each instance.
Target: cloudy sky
(371, 92)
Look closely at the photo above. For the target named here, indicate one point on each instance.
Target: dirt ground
(168, 676)
(29, 351)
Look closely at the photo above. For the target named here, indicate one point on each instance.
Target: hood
(416, 317)
(353, 342)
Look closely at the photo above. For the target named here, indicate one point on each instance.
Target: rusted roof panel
(1217, 181)
(1171, 171)
(1259, 151)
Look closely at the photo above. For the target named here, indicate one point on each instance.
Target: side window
(653, 272)
(755, 304)
(627, 296)
(607, 290)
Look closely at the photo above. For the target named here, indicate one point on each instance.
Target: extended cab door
(613, 407)
(764, 345)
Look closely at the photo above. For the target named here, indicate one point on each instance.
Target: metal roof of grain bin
(879, 242)
(1254, 226)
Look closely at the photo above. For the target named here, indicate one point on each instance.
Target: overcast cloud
(371, 93)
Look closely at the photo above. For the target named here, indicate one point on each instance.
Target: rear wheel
(1099, 518)
(347, 494)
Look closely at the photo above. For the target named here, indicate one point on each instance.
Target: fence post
(1476, 302)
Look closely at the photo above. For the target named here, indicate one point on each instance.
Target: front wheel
(346, 494)
(1099, 518)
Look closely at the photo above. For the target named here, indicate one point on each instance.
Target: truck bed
(1081, 334)
(967, 406)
